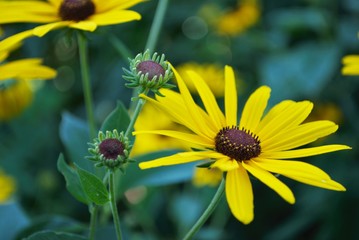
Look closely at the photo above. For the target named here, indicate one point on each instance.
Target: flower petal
(300, 171)
(26, 69)
(14, 40)
(102, 6)
(208, 99)
(42, 30)
(299, 136)
(192, 112)
(292, 115)
(191, 138)
(225, 164)
(178, 158)
(240, 195)
(114, 17)
(270, 180)
(84, 25)
(254, 108)
(304, 152)
(230, 97)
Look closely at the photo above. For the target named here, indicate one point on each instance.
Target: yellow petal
(270, 180)
(42, 30)
(299, 136)
(84, 25)
(240, 195)
(300, 171)
(208, 99)
(254, 108)
(291, 116)
(304, 152)
(114, 17)
(26, 69)
(230, 97)
(102, 6)
(14, 40)
(225, 164)
(352, 69)
(178, 158)
(192, 109)
(351, 59)
(191, 138)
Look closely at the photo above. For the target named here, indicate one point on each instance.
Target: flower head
(351, 65)
(262, 145)
(110, 150)
(148, 72)
(7, 187)
(15, 88)
(85, 15)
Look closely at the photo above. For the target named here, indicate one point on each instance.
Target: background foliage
(296, 48)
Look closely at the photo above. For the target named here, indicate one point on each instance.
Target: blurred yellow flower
(328, 111)
(261, 144)
(207, 177)
(214, 76)
(351, 65)
(7, 187)
(85, 15)
(238, 20)
(15, 89)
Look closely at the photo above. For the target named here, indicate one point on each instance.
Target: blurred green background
(295, 47)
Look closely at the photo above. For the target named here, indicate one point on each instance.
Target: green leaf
(48, 235)
(118, 119)
(94, 188)
(73, 184)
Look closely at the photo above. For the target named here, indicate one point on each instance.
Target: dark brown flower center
(237, 144)
(152, 68)
(111, 148)
(76, 10)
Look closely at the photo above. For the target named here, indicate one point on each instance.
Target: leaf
(118, 119)
(49, 235)
(94, 188)
(74, 135)
(73, 184)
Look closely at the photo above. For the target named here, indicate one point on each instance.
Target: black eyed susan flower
(15, 88)
(7, 187)
(85, 15)
(259, 144)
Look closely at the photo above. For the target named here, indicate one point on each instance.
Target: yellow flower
(15, 89)
(85, 15)
(7, 187)
(351, 65)
(214, 76)
(259, 144)
(207, 176)
(240, 19)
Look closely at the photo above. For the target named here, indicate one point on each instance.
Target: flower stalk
(116, 218)
(213, 204)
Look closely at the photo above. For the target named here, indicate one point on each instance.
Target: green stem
(137, 111)
(93, 222)
(86, 83)
(216, 199)
(156, 25)
(120, 47)
(116, 218)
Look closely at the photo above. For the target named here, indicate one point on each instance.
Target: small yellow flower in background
(238, 20)
(7, 187)
(213, 72)
(258, 144)
(207, 177)
(329, 111)
(351, 65)
(85, 15)
(15, 89)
